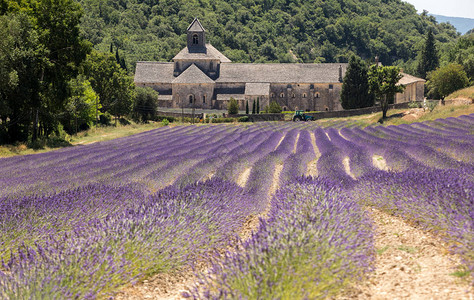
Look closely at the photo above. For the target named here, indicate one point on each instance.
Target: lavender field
(81, 222)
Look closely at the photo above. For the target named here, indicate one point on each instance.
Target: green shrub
(105, 119)
(223, 120)
(431, 105)
(414, 104)
(274, 108)
(124, 122)
(169, 118)
(233, 108)
(244, 119)
(165, 122)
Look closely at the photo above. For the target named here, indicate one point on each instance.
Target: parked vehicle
(301, 116)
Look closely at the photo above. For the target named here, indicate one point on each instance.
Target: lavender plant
(304, 250)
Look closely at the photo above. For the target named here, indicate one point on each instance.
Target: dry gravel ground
(410, 264)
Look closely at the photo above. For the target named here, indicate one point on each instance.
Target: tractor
(301, 116)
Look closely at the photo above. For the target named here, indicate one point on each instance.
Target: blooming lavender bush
(439, 200)
(304, 250)
(125, 237)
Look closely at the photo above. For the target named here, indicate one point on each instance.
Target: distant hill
(462, 25)
(263, 30)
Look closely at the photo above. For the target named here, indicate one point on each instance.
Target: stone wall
(313, 97)
(183, 94)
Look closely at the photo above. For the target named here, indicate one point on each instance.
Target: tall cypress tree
(253, 107)
(258, 105)
(355, 86)
(247, 107)
(429, 59)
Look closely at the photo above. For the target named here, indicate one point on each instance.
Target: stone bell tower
(196, 37)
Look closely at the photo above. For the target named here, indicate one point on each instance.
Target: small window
(195, 39)
(293, 96)
(330, 86)
(317, 95)
(204, 99)
(191, 98)
(304, 95)
(282, 95)
(273, 95)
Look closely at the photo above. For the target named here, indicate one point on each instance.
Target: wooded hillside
(264, 30)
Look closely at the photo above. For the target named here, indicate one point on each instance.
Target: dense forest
(265, 30)
(67, 65)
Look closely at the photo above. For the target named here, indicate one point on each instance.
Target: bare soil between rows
(410, 263)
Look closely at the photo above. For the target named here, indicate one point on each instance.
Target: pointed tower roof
(193, 75)
(196, 26)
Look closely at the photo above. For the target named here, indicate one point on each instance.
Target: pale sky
(449, 8)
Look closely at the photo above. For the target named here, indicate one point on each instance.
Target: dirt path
(313, 165)
(410, 264)
(171, 286)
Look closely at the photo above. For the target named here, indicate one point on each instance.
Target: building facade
(202, 77)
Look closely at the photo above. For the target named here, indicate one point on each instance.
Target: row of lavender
(300, 250)
(83, 221)
(145, 163)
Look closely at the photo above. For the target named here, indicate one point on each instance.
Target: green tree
(247, 107)
(114, 87)
(57, 23)
(355, 86)
(274, 108)
(253, 107)
(22, 60)
(233, 108)
(258, 106)
(83, 106)
(429, 59)
(145, 104)
(383, 83)
(445, 80)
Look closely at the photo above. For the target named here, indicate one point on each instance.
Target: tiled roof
(195, 26)
(158, 72)
(193, 75)
(257, 89)
(281, 73)
(154, 72)
(407, 79)
(210, 54)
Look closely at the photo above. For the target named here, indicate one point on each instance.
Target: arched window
(293, 96)
(316, 95)
(273, 95)
(326, 108)
(304, 95)
(282, 95)
(191, 99)
(195, 39)
(203, 98)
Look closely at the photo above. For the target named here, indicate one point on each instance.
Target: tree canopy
(383, 82)
(445, 80)
(429, 59)
(264, 31)
(355, 86)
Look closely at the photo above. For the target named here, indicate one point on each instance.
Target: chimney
(340, 73)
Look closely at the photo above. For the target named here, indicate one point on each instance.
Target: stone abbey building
(202, 77)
